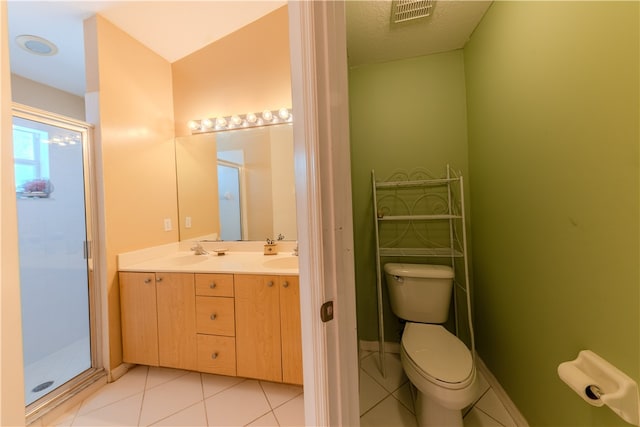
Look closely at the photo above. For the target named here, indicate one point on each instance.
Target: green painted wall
(553, 119)
(404, 115)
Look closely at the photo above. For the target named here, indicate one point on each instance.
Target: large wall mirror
(237, 185)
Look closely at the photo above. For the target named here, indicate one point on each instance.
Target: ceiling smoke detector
(36, 45)
(406, 10)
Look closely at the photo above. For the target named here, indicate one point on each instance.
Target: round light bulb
(267, 115)
(207, 123)
(236, 120)
(251, 118)
(193, 125)
(221, 122)
(283, 113)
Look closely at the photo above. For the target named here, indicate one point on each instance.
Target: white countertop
(176, 260)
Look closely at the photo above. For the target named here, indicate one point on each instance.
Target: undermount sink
(288, 262)
(186, 260)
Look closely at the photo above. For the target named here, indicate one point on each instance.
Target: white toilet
(436, 362)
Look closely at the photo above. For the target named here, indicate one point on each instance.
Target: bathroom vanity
(236, 315)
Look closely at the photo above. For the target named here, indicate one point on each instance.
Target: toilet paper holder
(600, 383)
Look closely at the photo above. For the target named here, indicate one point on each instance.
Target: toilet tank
(420, 292)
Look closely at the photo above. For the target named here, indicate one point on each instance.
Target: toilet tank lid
(426, 271)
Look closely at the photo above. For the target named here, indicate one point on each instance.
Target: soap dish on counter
(220, 252)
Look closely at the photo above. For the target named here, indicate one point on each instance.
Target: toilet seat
(438, 355)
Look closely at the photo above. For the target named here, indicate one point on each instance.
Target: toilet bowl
(437, 363)
(441, 368)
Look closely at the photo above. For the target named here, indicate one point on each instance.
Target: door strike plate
(326, 311)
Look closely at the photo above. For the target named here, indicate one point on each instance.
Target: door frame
(317, 32)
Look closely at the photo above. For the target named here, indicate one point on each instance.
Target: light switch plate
(167, 224)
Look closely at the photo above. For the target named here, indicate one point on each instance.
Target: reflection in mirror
(237, 185)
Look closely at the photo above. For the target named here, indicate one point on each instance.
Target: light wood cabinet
(158, 319)
(268, 346)
(139, 318)
(290, 329)
(230, 324)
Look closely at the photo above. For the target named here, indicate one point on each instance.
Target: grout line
(489, 415)
(206, 413)
(144, 392)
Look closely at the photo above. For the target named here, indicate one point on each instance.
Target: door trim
(317, 32)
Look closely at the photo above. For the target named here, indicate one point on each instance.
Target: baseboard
(506, 401)
(119, 371)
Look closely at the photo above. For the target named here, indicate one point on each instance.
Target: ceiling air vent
(406, 10)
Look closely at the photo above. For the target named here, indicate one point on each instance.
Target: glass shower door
(55, 264)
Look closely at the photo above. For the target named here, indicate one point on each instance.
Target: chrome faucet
(199, 250)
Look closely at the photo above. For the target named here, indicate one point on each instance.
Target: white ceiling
(174, 29)
(372, 37)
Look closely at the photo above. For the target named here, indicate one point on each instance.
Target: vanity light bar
(241, 121)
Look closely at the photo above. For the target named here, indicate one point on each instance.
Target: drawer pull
(214, 355)
(159, 279)
(270, 283)
(285, 284)
(147, 280)
(212, 285)
(213, 316)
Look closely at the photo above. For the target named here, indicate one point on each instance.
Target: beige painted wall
(11, 378)
(131, 87)
(248, 70)
(34, 94)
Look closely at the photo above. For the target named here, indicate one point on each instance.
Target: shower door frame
(96, 372)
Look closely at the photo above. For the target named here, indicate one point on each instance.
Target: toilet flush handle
(398, 279)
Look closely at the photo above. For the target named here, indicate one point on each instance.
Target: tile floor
(387, 401)
(147, 396)
(168, 397)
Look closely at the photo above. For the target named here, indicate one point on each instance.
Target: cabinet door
(257, 303)
(177, 346)
(291, 329)
(138, 314)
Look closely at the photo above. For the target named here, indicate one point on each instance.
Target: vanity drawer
(215, 316)
(217, 355)
(214, 285)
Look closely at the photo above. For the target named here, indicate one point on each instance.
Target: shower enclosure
(54, 200)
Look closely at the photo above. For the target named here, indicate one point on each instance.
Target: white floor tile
(158, 376)
(214, 384)
(238, 405)
(127, 385)
(394, 374)
(291, 413)
(491, 405)
(389, 412)
(121, 413)
(194, 415)
(171, 397)
(66, 419)
(371, 393)
(277, 393)
(403, 394)
(477, 418)
(268, 420)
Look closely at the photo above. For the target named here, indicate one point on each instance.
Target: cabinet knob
(270, 283)
(147, 280)
(159, 279)
(212, 285)
(285, 284)
(213, 316)
(214, 355)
